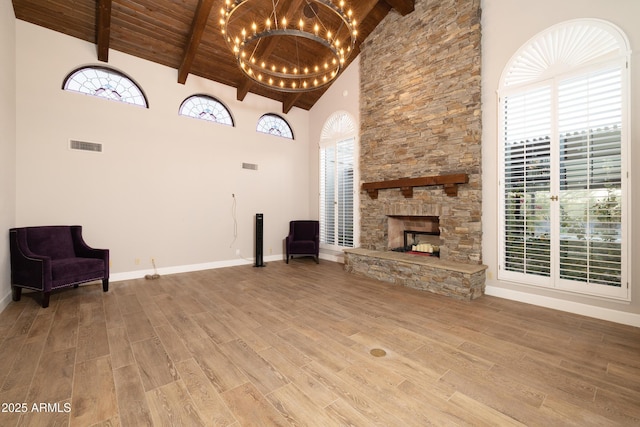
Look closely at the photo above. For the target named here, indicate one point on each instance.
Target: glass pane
(105, 83)
(205, 108)
(274, 125)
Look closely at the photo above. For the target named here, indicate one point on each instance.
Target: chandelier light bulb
(268, 23)
(284, 22)
(301, 24)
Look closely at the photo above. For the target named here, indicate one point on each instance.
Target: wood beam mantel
(449, 182)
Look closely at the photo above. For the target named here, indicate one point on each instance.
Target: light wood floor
(290, 345)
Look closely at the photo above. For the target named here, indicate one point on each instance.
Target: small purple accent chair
(303, 239)
(52, 257)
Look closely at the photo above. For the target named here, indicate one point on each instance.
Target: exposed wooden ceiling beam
(197, 29)
(404, 7)
(289, 101)
(103, 29)
(243, 88)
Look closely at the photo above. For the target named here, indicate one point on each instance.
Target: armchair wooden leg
(317, 259)
(105, 285)
(45, 299)
(16, 293)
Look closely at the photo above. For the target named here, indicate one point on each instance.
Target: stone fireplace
(420, 117)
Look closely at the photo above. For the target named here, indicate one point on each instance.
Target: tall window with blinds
(336, 194)
(564, 182)
(338, 177)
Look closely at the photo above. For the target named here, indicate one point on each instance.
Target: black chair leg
(105, 285)
(16, 293)
(45, 299)
(317, 259)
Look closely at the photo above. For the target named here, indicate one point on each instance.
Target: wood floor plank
(154, 364)
(93, 398)
(93, 341)
(120, 347)
(58, 365)
(251, 408)
(132, 402)
(291, 345)
(209, 402)
(171, 405)
(262, 374)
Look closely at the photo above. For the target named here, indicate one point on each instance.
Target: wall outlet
(237, 251)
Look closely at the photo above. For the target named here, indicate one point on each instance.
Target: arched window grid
(273, 124)
(205, 107)
(105, 82)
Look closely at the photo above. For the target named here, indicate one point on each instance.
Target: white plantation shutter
(327, 195)
(345, 170)
(527, 182)
(563, 205)
(589, 124)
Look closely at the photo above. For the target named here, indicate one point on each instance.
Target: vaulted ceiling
(181, 34)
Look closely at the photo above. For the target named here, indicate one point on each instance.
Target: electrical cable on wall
(235, 219)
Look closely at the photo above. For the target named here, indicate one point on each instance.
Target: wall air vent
(251, 166)
(85, 146)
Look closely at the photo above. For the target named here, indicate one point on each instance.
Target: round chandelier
(294, 46)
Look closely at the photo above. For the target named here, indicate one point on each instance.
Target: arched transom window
(105, 82)
(205, 107)
(273, 124)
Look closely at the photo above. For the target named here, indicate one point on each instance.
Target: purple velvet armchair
(303, 239)
(52, 257)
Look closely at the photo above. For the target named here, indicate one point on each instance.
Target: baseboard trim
(626, 318)
(138, 274)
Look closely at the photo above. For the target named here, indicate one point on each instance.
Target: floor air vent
(85, 146)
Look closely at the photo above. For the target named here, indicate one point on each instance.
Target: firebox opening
(420, 243)
(414, 234)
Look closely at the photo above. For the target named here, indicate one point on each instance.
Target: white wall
(506, 26)
(7, 143)
(163, 185)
